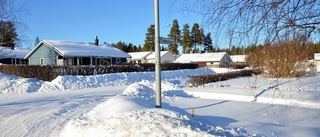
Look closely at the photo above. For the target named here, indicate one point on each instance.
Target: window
(41, 61)
(118, 60)
(69, 62)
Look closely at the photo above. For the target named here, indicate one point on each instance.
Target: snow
(139, 55)
(14, 53)
(123, 104)
(238, 58)
(81, 49)
(196, 57)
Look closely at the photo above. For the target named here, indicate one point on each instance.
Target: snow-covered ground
(123, 104)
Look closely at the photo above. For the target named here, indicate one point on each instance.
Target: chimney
(96, 42)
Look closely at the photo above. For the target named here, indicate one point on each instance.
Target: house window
(69, 62)
(41, 61)
(118, 60)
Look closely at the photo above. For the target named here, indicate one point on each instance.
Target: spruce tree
(207, 42)
(37, 41)
(8, 34)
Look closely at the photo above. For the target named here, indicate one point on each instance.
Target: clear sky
(111, 21)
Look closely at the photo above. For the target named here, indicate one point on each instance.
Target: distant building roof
(6, 52)
(139, 55)
(238, 58)
(153, 54)
(80, 49)
(204, 57)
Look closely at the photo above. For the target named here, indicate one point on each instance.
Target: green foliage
(186, 40)
(8, 34)
(175, 34)
(207, 42)
(149, 43)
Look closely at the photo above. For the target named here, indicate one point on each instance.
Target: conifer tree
(207, 42)
(196, 35)
(186, 40)
(37, 41)
(8, 34)
(175, 34)
(149, 41)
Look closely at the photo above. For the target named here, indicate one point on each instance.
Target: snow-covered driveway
(28, 114)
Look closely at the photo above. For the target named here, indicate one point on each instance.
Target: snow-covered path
(46, 114)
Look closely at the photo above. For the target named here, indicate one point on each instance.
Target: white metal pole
(157, 51)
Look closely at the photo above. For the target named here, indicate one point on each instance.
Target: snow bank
(132, 113)
(16, 85)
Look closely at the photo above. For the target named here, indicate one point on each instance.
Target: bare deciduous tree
(261, 18)
(11, 13)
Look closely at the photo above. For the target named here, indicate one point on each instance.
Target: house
(13, 55)
(149, 57)
(317, 61)
(55, 52)
(165, 57)
(216, 59)
(238, 59)
(138, 57)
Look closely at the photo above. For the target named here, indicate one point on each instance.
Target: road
(45, 114)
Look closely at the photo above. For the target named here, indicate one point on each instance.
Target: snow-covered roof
(153, 54)
(204, 57)
(13, 53)
(139, 55)
(81, 49)
(238, 58)
(316, 56)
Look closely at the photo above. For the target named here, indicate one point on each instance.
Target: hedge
(48, 72)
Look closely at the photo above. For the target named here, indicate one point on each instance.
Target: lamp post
(157, 53)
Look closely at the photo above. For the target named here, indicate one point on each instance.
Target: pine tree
(8, 34)
(196, 35)
(175, 34)
(186, 40)
(149, 44)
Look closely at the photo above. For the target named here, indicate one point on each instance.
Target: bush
(198, 80)
(48, 73)
(283, 59)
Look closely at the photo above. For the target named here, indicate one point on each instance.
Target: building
(216, 59)
(138, 57)
(317, 61)
(13, 55)
(165, 57)
(149, 57)
(238, 59)
(67, 53)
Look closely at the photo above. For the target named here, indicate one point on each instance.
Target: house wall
(168, 57)
(225, 61)
(49, 56)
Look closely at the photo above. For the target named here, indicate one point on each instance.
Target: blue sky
(111, 21)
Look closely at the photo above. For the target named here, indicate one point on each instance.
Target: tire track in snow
(47, 116)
